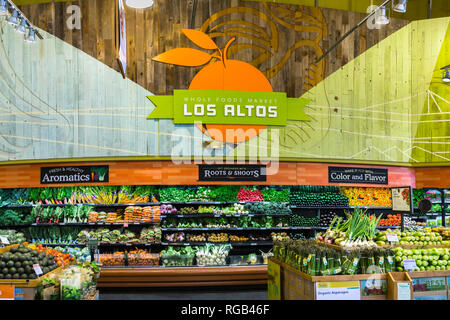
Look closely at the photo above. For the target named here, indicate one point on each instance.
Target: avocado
(13, 250)
(7, 256)
(32, 276)
(5, 271)
(41, 255)
(16, 276)
(23, 276)
(12, 270)
(18, 264)
(2, 276)
(15, 258)
(21, 246)
(34, 260)
(34, 253)
(23, 250)
(28, 269)
(10, 264)
(8, 276)
(2, 264)
(20, 270)
(45, 270)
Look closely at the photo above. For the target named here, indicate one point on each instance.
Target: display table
(288, 283)
(183, 276)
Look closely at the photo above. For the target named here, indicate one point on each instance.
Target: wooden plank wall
(168, 173)
(152, 31)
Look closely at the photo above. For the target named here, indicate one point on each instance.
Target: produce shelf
(211, 215)
(247, 243)
(101, 224)
(243, 229)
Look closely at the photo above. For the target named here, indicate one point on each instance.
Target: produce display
(392, 220)
(188, 210)
(426, 259)
(9, 217)
(418, 194)
(14, 196)
(12, 236)
(66, 214)
(326, 218)
(18, 262)
(249, 195)
(234, 238)
(182, 256)
(116, 259)
(197, 237)
(368, 197)
(167, 209)
(296, 220)
(80, 254)
(218, 237)
(316, 260)
(150, 235)
(358, 230)
(267, 208)
(274, 195)
(138, 194)
(317, 196)
(235, 209)
(141, 257)
(279, 236)
(105, 235)
(212, 254)
(174, 237)
(53, 234)
(435, 196)
(420, 237)
(443, 232)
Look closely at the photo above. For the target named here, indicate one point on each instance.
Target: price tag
(253, 244)
(37, 269)
(263, 228)
(4, 240)
(186, 244)
(216, 215)
(409, 264)
(93, 244)
(392, 237)
(125, 225)
(180, 229)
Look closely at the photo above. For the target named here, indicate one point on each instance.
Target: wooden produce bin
(24, 289)
(431, 285)
(296, 285)
(400, 286)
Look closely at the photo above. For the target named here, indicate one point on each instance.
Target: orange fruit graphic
(221, 75)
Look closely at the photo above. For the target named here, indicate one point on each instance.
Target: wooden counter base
(183, 277)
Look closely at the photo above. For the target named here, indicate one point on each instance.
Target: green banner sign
(229, 107)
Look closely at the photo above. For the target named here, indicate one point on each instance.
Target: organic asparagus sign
(74, 174)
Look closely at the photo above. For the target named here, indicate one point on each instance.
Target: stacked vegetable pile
(107, 236)
(426, 259)
(392, 220)
(418, 194)
(10, 217)
(66, 214)
(174, 195)
(150, 235)
(174, 237)
(357, 231)
(14, 196)
(139, 257)
(235, 209)
(276, 195)
(368, 197)
(443, 231)
(249, 195)
(316, 260)
(167, 209)
(417, 238)
(53, 234)
(296, 220)
(317, 196)
(80, 254)
(212, 254)
(182, 256)
(138, 194)
(12, 236)
(267, 208)
(326, 218)
(18, 262)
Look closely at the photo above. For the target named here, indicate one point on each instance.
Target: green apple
(425, 263)
(433, 268)
(444, 262)
(422, 268)
(434, 263)
(419, 263)
(438, 268)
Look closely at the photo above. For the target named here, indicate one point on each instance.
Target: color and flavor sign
(74, 174)
(357, 175)
(245, 172)
(340, 290)
(229, 107)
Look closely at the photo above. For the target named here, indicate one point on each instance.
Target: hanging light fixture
(446, 73)
(139, 4)
(3, 8)
(381, 17)
(13, 19)
(31, 36)
(22, 28)
(399, 6)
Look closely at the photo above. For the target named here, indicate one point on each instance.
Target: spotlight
(13, 19)
(381, 17)
(3, 9)
(446, 74)
(139, 4)
(31, 36)
(400, 6)
(22, 28)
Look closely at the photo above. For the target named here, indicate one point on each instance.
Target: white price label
(37, 269)
(392, 237)
(409, 264)
(4, 240)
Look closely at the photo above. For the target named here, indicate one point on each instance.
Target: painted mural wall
(58, 102)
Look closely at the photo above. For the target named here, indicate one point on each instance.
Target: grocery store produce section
(144, 231)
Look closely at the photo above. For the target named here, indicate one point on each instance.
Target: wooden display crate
(399, 284)
(296, 285)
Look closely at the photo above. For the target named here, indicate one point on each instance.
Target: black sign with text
(232, 172)
(74, 174)
(357, 175)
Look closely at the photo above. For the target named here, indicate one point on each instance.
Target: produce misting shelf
(202, 243)
(194, 276)
(244, 229)
(211, 215)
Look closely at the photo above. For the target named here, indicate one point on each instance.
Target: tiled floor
(236, 293)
